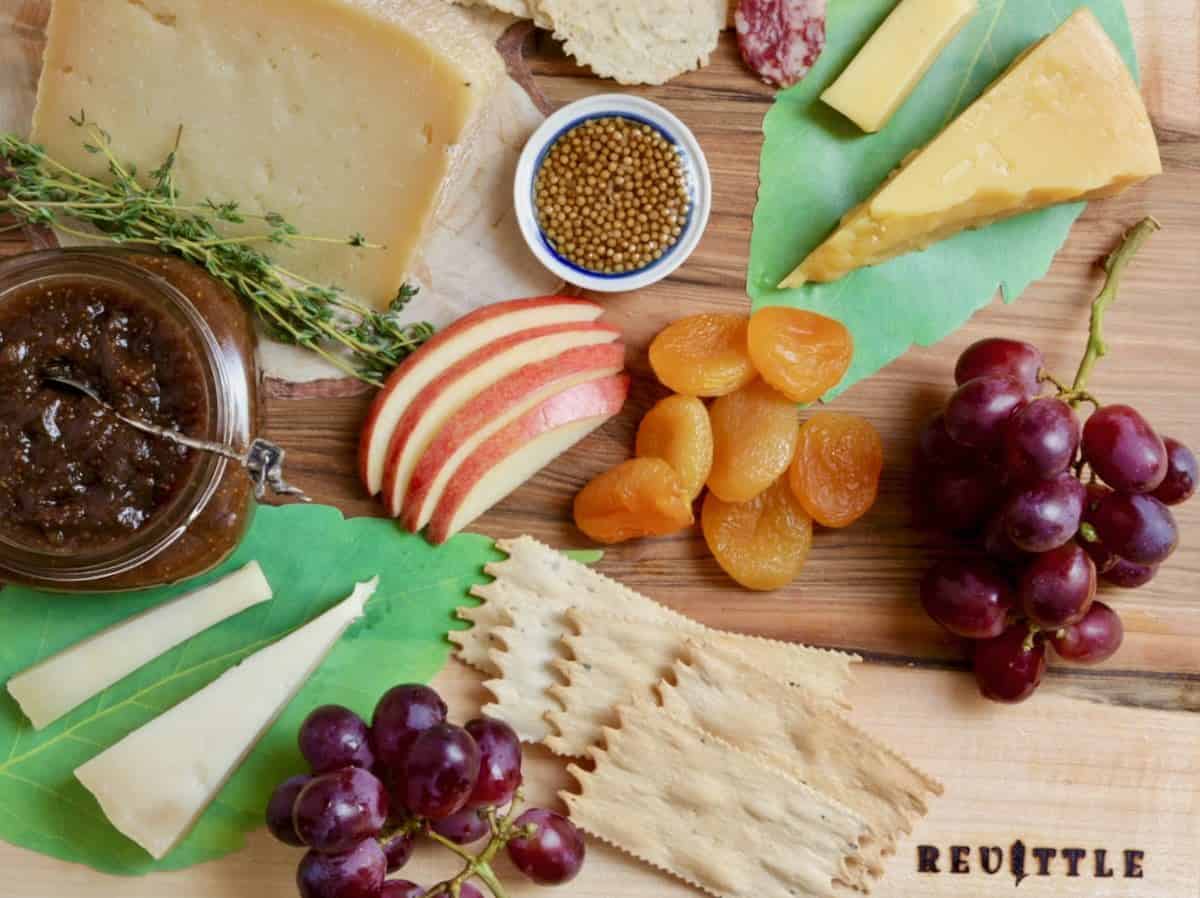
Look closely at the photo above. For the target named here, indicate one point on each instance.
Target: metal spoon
(263, 460)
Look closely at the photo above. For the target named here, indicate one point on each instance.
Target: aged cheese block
(51, 688)
(1064, 123)
(895, 59)
(344, 116)
(156, 782)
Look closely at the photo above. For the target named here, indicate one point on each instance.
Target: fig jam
(78, 477)
(87, 502)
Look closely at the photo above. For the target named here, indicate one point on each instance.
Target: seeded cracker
(717, 817)
(610, 660)
(720, 694)
(638, 41)
(524, 607)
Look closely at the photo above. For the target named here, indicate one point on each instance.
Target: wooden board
(1103, 758)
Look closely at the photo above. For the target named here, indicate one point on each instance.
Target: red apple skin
(599, 399)
(415, 412)
(500, 401)
(372, 431)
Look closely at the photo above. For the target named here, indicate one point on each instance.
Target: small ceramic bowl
(695, 167)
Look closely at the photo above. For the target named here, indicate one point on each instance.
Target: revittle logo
(1021, 862)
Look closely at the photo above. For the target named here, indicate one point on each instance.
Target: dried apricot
(704, 355)
(801, 354)
(754, 440)
(835, 474)
(763, 543)
(640, 497)
(678, 431)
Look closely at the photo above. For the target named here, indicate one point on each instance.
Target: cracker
(716, 691)
(522, 9)
(638, 41)
(609, 660)
(717, 817)
(523, 612)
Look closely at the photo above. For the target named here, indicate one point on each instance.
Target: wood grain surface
(1106, 757)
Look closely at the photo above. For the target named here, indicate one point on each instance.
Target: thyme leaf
(40, 191)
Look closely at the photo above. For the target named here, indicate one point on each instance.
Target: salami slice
(780, 39)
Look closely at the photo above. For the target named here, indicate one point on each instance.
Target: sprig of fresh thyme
(363, 342)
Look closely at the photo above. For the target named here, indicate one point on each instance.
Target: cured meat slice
(780, 40)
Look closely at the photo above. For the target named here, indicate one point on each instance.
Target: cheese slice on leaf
(51, 688)
(1064, 123)
(156, 782)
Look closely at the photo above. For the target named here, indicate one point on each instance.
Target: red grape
(554, 854)
(1058, 587)
(440, 771)
(401, 715)
(968, 599)
(499, 762)
(280, 807)
(998, 357)
(467, 891)
(1094, 639)
(1005, 669)
(398, 849)
(1135, 527)
(1128, 575)
(1045, 515)
(401, 888)
(1103, 559)
(357, 873)
(333, 737)
(1183, 472)
(464, 828)
(996, 543)
(1124, 450)
(978, 412)
(1041, 440)
(937, 449)
(337, 810)
(963, 500)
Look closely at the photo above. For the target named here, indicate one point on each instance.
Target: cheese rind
(895, 59)
(56, 685)
(344, 116)
(155, 783)
(1064, 123)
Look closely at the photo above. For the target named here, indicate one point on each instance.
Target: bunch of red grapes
(1056, 505)
(374, 791)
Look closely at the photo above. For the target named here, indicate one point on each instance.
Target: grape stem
(480, 865)
(1114, 266)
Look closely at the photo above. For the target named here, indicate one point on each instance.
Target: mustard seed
(612, 195)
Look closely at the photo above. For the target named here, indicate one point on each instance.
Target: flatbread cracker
(638, 41)
(717, 817)
(522, 9)
(608, 660)
(523, 612)
(716, 691)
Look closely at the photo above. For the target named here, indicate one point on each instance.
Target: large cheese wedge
(1064, 123)
(156, 782)
(522, 448)
(432, 408)
(344, 116)
(51, 688)
(444, 350)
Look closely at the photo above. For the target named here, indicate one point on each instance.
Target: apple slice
(432, 408)
(492, 410)
(523, 448)
(444, 349)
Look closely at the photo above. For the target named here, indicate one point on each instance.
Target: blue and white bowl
(695, 168)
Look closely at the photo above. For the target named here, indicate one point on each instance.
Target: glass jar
(94, 505)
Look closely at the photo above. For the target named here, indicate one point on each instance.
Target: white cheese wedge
(156, 782)
(62, 682)
(344, 116)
